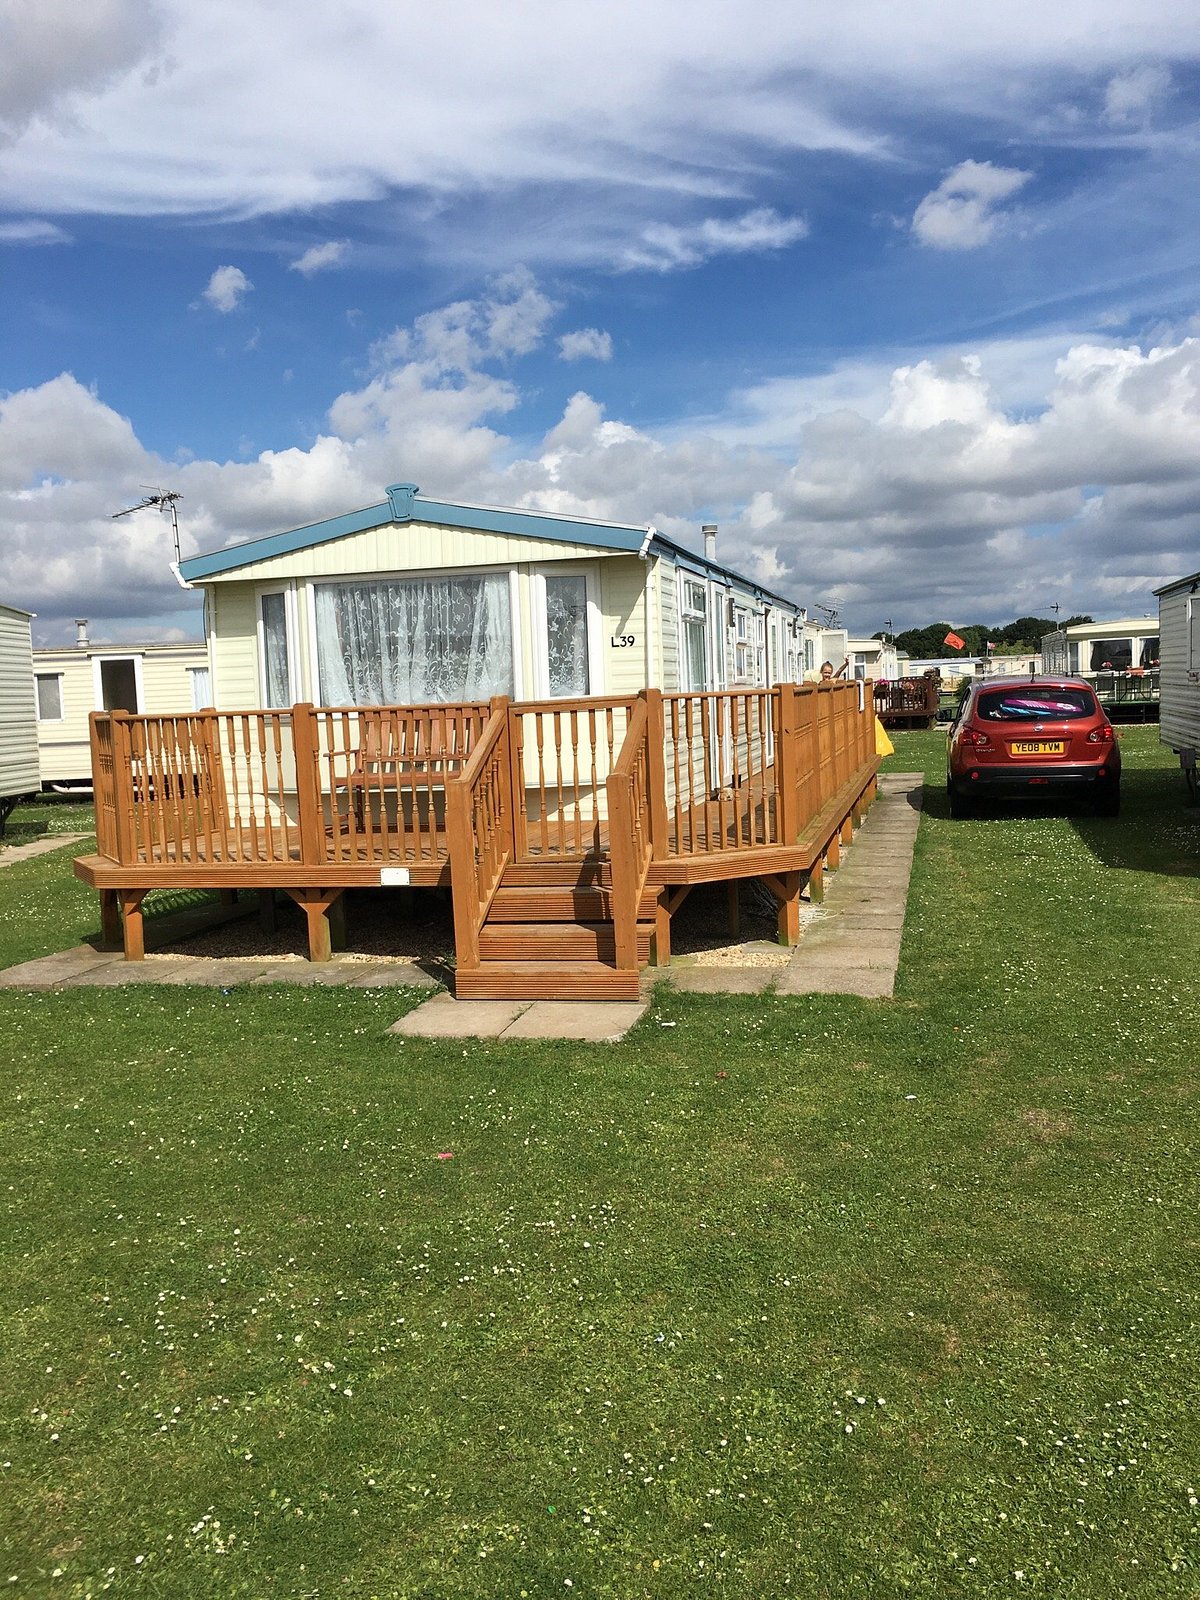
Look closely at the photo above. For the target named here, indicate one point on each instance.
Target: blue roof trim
(701, 567)
(403, 505)
(283, 544)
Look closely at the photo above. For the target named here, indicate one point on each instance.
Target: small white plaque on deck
(394, 877)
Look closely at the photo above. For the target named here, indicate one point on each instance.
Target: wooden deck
(568, 831)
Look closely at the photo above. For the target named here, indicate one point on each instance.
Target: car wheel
(960, 806)
(1108, 800)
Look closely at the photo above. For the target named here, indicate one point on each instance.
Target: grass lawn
(817, 1296)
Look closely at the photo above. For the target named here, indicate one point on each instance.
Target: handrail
(631, 848)
(479, 828)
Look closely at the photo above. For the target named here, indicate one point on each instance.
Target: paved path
(851, 945)
(12, 853)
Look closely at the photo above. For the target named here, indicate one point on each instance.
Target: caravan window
(694, 601)
(49, 696)
(1193, 654)
(416, 641)
(275, 649)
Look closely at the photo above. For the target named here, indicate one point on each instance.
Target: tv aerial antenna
(159, 500)
(1056, 608)
(831, 614)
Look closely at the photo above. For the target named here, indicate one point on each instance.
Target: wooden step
(556, 941)
(568, 873)
(533, 904)
(545, 980)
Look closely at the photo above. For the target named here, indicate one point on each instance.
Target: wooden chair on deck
(393, 755)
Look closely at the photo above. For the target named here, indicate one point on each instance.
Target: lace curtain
(414, 641)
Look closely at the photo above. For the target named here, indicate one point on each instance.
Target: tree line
(1021, 637)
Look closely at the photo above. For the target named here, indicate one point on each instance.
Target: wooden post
(624, 884)
(228, 896)
(789, 909)
(266, 910)
(656, 781)
(110, 918)
(308, 796)
(315, 904)
(733, 908)
(131, 913)
(460, 842)
(660, 939)
(833, 853)
(123, 789)
(787, 765)
(847, 829)
(516, 769)
(337, 922)
(816, 882)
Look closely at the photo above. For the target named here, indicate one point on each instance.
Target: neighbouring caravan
(1179, 704)
(78, 679)
(414, 601)
(18, 727)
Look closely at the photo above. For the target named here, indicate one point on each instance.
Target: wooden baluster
(308, 793)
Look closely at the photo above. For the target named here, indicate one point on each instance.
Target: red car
(1025, 738)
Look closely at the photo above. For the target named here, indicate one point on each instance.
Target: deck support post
(660, 939)
(337, 922)
(134, 929)
(229, 897)
(733, 909)
(816, 882)
(315, 904)
(266, 910)
(110, 918)
(847, 829)
(786, 888)
(833, 852)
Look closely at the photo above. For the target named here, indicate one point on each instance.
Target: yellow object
(883, 745)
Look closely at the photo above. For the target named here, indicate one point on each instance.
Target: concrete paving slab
(10, 854)
(306, 974)
(48, 972)
(592, 1021)
(444, 1017)
(720, 980)
(870, 983)
(395, 975)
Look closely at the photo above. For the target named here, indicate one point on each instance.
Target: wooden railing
(718, 753)
(563, 753)
(210, 786)
(381, 775)
(630, 823)
(104, 782)
(479, 826)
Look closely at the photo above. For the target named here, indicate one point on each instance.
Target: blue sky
(909, 310)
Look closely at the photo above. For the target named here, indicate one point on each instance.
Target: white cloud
(960, 213)
(57, 50)
(227, 288)
(1133, 96)
(664, 247)
(983, 483)
(585, 344)
(320, 257)
(33, 231)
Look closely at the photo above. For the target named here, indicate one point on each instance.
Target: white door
(566, 621)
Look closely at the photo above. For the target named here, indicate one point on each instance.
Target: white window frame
(1193, 634)
(689, 611)
(191, 672)
(744, 641)
(540, 625)
(291, 639)
(98, 681)
(37, 699)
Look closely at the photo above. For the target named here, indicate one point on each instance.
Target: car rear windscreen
(1034, 702)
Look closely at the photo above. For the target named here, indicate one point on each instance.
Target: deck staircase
(549, 935)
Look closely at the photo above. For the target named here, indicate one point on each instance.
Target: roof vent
(81, 634)
(401, 497)
(709, 530)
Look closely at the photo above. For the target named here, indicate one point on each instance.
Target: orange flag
(955, 643)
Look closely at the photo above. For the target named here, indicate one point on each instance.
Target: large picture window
(413, 641)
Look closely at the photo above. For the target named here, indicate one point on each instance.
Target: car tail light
(1101, 735)
(974, 739)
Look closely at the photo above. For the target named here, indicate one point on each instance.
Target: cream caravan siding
(233, 644)
(1179, 703)
(406, 547)
(667, 584)
(64, 750)
(18, 717)
(623, 608)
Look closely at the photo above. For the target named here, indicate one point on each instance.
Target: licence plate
(1038, 747)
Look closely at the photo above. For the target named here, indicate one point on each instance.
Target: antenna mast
(161, 500)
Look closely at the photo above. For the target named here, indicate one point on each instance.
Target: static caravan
(18, 724)
(77, 680)
(1179, 705)
(417, 601)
